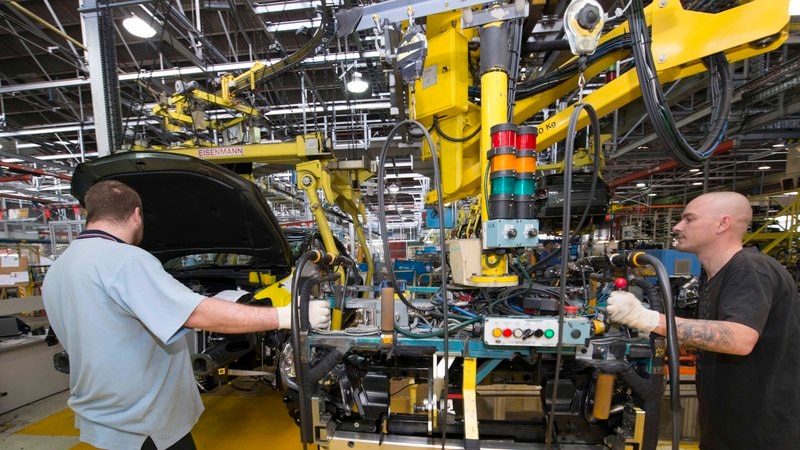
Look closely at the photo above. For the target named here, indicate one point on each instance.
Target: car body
(213, 231)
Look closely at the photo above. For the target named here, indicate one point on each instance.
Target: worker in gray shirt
(122, 319)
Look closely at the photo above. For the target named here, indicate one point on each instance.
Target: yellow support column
(494, 110)
(471, 435)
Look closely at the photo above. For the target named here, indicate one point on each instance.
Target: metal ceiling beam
(30, 170)
(668, 165)
(45, 23)
(186, 71)
(24, 178)
(34, 160)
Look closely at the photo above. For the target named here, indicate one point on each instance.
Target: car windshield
(210, 260)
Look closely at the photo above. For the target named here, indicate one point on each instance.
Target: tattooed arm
(712, 335)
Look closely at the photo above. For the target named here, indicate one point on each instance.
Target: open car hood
(191, 206)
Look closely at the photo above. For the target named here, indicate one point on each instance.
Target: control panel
(509, 233)
(534, 331)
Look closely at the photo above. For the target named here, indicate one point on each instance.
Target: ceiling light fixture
(138, 27)
(641, 184)
(764, 167)
(694, 170)
(778, 145)
(394, 189)
(357, 84)
(697, 183)
(652, 194)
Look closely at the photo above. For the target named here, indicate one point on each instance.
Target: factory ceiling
(47, 126)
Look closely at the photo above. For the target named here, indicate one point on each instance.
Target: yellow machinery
(680, 41)
(316, 169)
(440, 100)
(461, 126)
(776, 218)
(316, 165)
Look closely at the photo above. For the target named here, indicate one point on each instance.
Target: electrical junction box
(465, 259)
(534, 331)
(510, 233)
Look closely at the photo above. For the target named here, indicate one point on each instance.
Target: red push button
(507, 332)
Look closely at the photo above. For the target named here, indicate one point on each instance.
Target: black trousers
(186, 443)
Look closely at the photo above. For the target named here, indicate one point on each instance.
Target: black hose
(652, 394)
(672, 341)
(655, 100)
(381, 208)
(570, 148)
(437, 176)
(305, 297)
(650, 390)
(304, 405)
(546, 46)
(450, 138)
(651, 292)
(596, 168)
(563, 73)
(306, 374)
(324, 366)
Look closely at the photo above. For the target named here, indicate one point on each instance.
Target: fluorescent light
(778, 145)
(293, 26)
(764, 167)
(694, 170)
(697, 183)
(56, 187)
(652, 194)
(357, 84)
(138, 27)
(640, 185)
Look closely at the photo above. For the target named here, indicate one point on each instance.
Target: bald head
(713, 226)
(735, 205)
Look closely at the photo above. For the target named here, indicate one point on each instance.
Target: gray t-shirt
(120, 317)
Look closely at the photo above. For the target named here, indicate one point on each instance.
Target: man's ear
(136, 215)
(725, 222)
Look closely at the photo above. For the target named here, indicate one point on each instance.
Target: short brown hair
(111, 200)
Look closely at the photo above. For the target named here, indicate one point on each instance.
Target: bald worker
(747, 330)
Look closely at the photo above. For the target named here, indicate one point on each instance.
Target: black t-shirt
(752, 402)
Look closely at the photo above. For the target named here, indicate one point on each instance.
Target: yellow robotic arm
(680, 40)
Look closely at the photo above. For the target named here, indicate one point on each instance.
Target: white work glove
(624, 308)
(319, 315)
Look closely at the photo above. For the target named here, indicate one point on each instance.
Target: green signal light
(549, 333)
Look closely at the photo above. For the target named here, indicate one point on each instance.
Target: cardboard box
(14, 271)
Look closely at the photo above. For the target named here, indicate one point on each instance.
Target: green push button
(549, 333)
